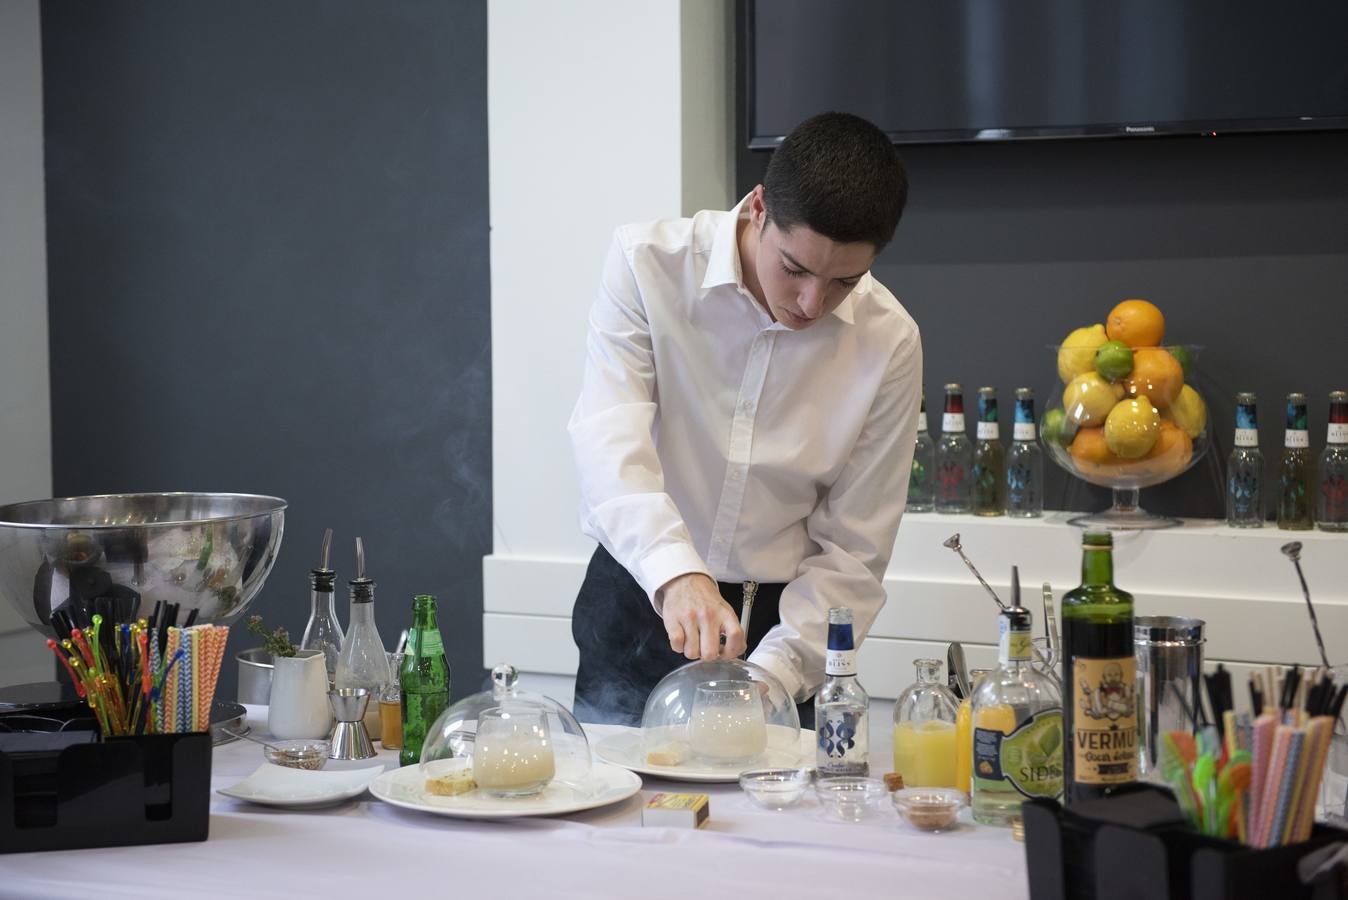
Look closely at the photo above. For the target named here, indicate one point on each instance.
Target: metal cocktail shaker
(1169, 651)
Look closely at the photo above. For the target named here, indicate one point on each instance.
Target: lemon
(1114, 359)
(1189, 412)
(1076, 356)
(1131, 428)
(1089, 398)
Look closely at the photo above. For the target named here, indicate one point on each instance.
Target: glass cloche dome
(505, 742)
(720, 712)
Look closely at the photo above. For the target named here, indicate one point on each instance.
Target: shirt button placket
(739, 450)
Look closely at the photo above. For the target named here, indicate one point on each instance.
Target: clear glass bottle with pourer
(323, 632)
(364, 662)
(1017, 733)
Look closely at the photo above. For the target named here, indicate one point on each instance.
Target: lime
(1132, 427)
(1114, 359)
(1182, 354)
(1089, 398)
(1052, 428)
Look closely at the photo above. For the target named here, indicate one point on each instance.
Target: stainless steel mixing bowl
(208, 552)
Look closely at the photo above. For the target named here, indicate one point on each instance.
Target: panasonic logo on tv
(1139, 129)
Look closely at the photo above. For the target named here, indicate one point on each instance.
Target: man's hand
(696, 616)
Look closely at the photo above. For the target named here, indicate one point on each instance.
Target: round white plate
(628, 749)
(271, 785)
(406, 787)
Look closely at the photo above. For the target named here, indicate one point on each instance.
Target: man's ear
(758, 208)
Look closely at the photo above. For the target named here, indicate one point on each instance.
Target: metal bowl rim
(277, 505)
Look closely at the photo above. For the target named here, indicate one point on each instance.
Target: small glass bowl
(297, 754)
(847, 797)
(776, 788)
(929, 808)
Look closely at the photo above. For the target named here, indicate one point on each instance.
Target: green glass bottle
(1099, 678)
(423, 679)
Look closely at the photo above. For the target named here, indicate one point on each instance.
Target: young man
(748, 414)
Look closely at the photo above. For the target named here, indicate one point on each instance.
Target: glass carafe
(924, 729)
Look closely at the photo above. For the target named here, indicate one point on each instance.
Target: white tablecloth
(366, 848)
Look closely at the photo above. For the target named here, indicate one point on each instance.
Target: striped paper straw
(1286, 787)
(1268, 804)
(170, 694)
(1300, 777)
(184, 704)
(1320, 732)
(198, 658)
(1264, 727)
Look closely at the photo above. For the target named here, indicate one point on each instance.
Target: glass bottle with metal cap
(987, 477)
(1245, 469)
(954, 456)
(922, 478)
(363, 663)
(1296, 476)
(1024, 462)
(1332, 502)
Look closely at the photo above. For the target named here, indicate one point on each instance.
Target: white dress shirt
(710, 439)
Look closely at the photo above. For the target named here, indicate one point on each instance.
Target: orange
(1138, 323)
(1172, 450)
(1089, 448)
(1157, 375)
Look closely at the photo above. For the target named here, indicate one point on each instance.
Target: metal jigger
(349, 739)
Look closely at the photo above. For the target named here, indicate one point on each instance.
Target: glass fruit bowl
(1125, 418)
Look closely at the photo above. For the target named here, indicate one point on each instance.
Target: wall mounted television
(937, 71)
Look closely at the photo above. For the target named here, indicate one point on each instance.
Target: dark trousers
(624, 651)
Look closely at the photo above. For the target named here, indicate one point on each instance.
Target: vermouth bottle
(841, 706)
(1245, 469)
(1024, 462)
(954, 456)
(1296, 478)
(922, 479)
(1099, 675)
(987, 478)
(1017, 734)
(1332, 503)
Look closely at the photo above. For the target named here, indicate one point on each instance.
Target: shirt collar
(723, 261)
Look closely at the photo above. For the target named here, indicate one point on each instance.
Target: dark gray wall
(267, 246)
(1241, 240)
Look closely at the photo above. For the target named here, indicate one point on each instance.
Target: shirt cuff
(782, 670)
(668, 562)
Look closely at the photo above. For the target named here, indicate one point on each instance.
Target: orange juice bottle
(964, 735)
(924, 730)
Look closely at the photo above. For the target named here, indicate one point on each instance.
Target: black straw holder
(149, 789)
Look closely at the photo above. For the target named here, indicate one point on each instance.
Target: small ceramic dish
(847, 797)
(312, 754)
(776, 788)
(929, 808)
(285, 787)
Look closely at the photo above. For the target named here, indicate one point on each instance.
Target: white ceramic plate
(272, 785)
(628, 749)
(406, 787)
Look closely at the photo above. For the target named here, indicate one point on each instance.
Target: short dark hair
(839, 175)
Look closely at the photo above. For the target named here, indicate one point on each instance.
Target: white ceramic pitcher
(299, 697)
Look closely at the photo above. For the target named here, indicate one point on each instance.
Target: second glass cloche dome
(505, 742)
(719, 713)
